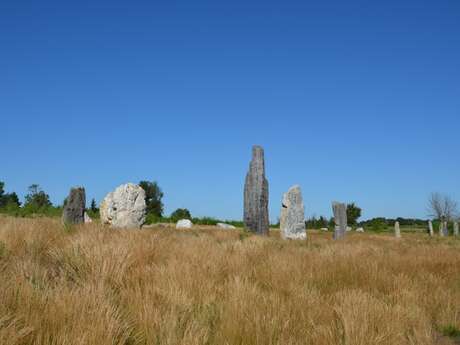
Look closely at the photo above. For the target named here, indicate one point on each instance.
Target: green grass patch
(450, 331)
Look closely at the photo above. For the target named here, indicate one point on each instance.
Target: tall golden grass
(94, 285)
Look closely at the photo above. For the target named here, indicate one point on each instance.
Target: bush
(153, 219)
(37, 199)
(353, 213)
(93, 214)
(153, 196)
(378, 224)
(181, 213)
(316, 223)
(205, 221)
(451, 331)
(11, 209)
(7, 198)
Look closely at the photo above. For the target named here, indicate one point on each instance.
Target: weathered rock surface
(256, 195)
(324, 229)
(360, 230)
(443, 230)
(87, 218)
(340, 219)
(225, 226)
(124, 207)
(430, 228)
(349, 228)
(456, 232)
(292, 217)
(397, 230)
(74, 208)
(184, 224)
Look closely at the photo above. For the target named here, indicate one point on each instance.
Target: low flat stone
(225, 226)
(184, 224)
(360, 230)
(324, 229)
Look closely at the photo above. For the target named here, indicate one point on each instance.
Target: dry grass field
(91, 285)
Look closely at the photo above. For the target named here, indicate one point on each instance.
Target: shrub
(153, 196)
(181, 213)
(36, 199)
(353, 213)
(377, 224)
(451, 331)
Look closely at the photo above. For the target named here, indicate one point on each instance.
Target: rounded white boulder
(225, 226)
(124, 207)
(184, 224)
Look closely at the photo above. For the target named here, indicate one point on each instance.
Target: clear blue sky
(353, 100)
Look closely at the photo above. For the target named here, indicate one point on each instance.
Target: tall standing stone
(340, 219)
(397, 230)
(124, 207)
(443, 230)
(74, 208)
(256, 194)
(430, 228)
(292, 217)
(456, 232)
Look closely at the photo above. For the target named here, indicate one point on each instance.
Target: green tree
(353, 213)
(10, 199)
(322, 222)
(181, 213)
(153, 196)
(378, 224)
(310, 223)
(93, 206)
(2, 194)
(37, 198)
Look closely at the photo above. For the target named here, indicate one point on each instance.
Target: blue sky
(353, 100)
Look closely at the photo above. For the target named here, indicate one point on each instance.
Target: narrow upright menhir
(456, 232)
(256, 194)
(430, 228)
(74, 206)
(340, 218)
(443, 230)
(397, 230)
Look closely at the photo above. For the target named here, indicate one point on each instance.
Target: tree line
(440, 208)
(353, 214)
(37, 203)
